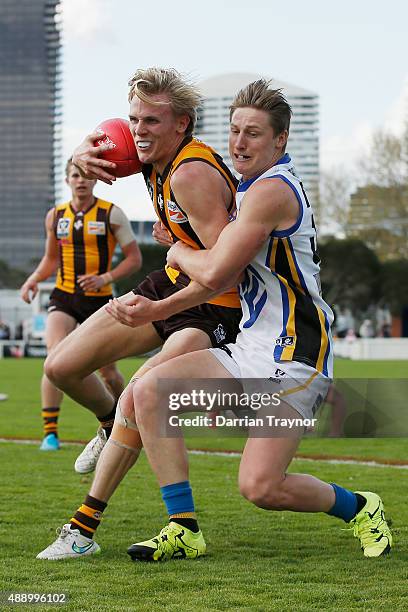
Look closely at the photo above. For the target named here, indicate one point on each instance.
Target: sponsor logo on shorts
(277, 377)
(220, 333)
(63, 226)
(285, 341)
(176, 215)
(97, 228)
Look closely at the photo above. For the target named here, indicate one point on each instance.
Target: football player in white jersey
(284, 337)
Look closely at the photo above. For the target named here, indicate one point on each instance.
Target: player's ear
(182, 123)
(282, 139)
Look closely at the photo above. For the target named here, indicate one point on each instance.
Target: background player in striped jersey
(284, 341)
(81, 236)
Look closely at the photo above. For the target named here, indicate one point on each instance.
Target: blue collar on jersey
(243, 186)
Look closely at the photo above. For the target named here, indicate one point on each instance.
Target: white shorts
(299, 385)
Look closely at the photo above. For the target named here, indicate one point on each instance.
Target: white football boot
(87, 460)
(70, 544)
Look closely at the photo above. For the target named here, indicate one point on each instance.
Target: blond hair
(258, 95)
(184, 96)
(68, 166)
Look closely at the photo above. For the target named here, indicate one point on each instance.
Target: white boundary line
(375, 464)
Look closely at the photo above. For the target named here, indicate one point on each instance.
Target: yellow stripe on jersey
(287, 353)
(272, 257)
(292, 265)
(323, 341)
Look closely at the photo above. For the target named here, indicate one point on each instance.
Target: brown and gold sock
(50, 420)
(186, 519)
(107, 421)
(88, 516)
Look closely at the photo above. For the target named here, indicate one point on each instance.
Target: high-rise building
(30, 115)
(303, 144)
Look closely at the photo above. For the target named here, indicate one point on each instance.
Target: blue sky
(353, 54)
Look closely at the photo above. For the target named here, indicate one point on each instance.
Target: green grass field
(256, 560)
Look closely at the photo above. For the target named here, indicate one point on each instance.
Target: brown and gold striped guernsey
(86, 245)
(172, 215)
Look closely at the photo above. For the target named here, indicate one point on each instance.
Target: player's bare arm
(132, 257)
(86, 158)
(268, 205)
(48, 264)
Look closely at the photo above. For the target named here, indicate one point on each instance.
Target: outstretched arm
(48, 264)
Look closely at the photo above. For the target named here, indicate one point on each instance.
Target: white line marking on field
(311, 459)
(234, 454)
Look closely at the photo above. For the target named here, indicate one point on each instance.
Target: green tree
(350, 274)
(394, 285)
(379, 207)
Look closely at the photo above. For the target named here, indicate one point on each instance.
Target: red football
(124, 153)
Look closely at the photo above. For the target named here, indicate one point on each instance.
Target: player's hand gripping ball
(123, 150)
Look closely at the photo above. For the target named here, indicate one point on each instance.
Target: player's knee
(54, 369)
(262, 492)
(127, 410)
(59, 369)
(144, 398)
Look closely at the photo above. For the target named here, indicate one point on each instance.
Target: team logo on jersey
(219, 333)
(78, 224)
(97, 228)
(63, 228)
(285, 341)
(176, 215)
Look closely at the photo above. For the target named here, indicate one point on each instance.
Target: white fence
(372, 348)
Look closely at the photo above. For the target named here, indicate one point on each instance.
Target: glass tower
(30, 116)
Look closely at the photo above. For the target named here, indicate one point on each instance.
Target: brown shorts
(220, 323)
(78, 306)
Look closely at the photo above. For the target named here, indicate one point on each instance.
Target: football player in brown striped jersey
(81, 236)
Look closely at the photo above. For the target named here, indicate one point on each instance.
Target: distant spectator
(18, 334)
(367, 329)
(350, 335)
(386, 330)
(4, 331)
